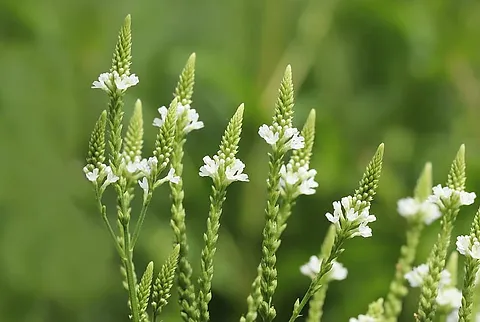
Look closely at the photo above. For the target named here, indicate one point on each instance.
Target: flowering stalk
(224, 169)
(183, 93)
(282, 137)
(315, 306)
(354, 222)
(448, 199)
(470, 247)
(418, 211)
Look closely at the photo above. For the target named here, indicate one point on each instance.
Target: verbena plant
(289, 176)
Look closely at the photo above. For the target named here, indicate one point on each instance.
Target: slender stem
(141, 219)
(471, 269)
(132, 292)
(103, 211)
(324, 269)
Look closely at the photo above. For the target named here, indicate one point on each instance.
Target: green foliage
(143, 292)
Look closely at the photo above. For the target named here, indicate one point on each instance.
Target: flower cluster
(363, 318)
(191, 114)
(351, 219)
(122, 82)
(443, 196)
(312, 268)
(412, 208)
(295, 182)
(291, 137)
(448, 296)
(233, 171)
(98, 174)
(468, 246)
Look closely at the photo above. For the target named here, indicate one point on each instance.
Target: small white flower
(338, 272)
(337, 213)
(450, 297)
(363, 318)
(296, 141)
(210, 168)
(358, 222)
(144, 184)
(125, 81)
(307, 187)
(410, 207)
(172, 177)
(158, 122)
(91, 175)
(193, 122)
(441, 194)
(452, 316)
(364, 231)
(234, 171)
(268, 135)
(300, 182)
(102, 82)
(416, 276)
(468, 246)
(312, 268)
(111, 177)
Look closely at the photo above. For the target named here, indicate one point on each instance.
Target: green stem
(471, 269)
(103, 210)
(128, 261)
(315, 309)
(208, 252)
(270, 241)
(398, 290)
(315, 285)
(141, 219)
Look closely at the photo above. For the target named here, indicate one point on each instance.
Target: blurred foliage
(401, 72)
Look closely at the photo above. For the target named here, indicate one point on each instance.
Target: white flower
(416, 276)
(122, 82)
(144, 184)
(268, 135)
(125, 81)
(172, 177)
(158, 122)
(102, 82)
(338, 272)
(234, 171)
(296, 141)
(111, 177)
(410, 207)
(312, 268)
(450, 297)
(441, 194)
(192, 117)
(468, 246)
(363, 318)
(91, 175)
(210, 168)
(358, 221)
(193, 122)
(300, 182)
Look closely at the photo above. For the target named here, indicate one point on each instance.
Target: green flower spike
(96, 145)
(143, 292)
(224, 168)
(469, 246)
(165, 138)
(282, 137)
(163, 283)
(417, 211)
(183, 94)
(132, 150)
(184, 89)
(347, 225)
(448, 199)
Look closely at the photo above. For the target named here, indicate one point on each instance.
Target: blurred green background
(401, 72)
